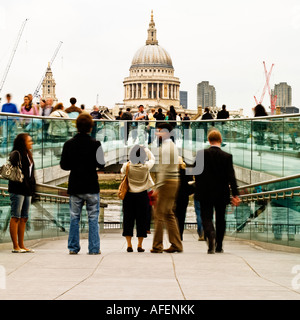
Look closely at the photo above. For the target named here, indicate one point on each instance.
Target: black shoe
(210, 251)
(219, 250)
(129, 249)
(172, 250)
(140, 249)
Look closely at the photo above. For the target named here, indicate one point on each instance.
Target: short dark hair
(165, 125)
(84, 123)
(73, 100)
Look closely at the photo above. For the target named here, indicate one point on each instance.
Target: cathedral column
(152, 94)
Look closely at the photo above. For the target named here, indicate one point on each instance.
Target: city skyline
(223, 43)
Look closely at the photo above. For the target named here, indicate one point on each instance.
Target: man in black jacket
(82, 155)
(213, 190)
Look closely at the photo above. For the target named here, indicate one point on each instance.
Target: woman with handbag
(136, 201)
(21, 192)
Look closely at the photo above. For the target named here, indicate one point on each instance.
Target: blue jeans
(92, 207)
(19, 205)
(198, 217)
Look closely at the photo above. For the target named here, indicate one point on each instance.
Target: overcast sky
(223, 42)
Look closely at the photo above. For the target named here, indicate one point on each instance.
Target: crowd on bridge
(57, 130)
(164, 193)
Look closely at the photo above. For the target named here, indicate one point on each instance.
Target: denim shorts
(19, 205)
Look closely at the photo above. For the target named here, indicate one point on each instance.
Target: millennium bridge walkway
(261, 252)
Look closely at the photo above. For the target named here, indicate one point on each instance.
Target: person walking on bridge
(213, 190)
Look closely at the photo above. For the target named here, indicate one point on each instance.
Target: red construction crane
(267, 84)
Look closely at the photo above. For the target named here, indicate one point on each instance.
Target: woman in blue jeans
(21, 192)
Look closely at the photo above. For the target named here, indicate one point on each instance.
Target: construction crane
(267, 84)
(12, 56)
(37, 90)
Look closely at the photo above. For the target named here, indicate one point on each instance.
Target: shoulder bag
(123, 188)
(12, 173)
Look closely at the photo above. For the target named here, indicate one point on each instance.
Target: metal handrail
(48, 196)
(43, 196)
(271, 195)
(292, 115)
(295, 176)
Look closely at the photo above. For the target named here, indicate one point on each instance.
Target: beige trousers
(164, 216)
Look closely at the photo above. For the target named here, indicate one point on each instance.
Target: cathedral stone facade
(151, 81)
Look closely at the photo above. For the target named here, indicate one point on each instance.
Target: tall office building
(206, 95)
(183, 96)
(284, 94)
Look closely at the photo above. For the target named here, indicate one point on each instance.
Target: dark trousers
(210, 233)
(182, 202)
(135, 209)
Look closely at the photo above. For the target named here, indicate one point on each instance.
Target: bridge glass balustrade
(269, 144)
(269, 212)
(49, 216)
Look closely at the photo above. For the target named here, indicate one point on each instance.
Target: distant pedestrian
(58, 129)
(151, 126)
(8, 123)
(159, 116)
(47, 108)
(259, 127)
(182, 197)
(186, 127)
(73, 112)
(223, 114)
(21, 192)
(127, 124)
(96, 115)
(45, 111)
(167, 176)
(213, 190)
(28, 108)
(206, 116)
(83, 155)
(136, 202)
(141, 116)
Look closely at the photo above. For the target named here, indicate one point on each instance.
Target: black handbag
(10, 172)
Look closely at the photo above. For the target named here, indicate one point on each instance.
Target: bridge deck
(243, 271)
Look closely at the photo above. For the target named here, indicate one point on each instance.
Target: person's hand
(154, 197)
(235, 201)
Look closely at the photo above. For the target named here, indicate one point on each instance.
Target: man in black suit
(213, 190)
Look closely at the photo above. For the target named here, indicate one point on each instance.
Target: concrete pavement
(244, 271)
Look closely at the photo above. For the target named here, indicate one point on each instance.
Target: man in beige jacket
(166, 189)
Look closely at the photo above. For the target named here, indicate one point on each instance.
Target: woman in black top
(21, 192)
